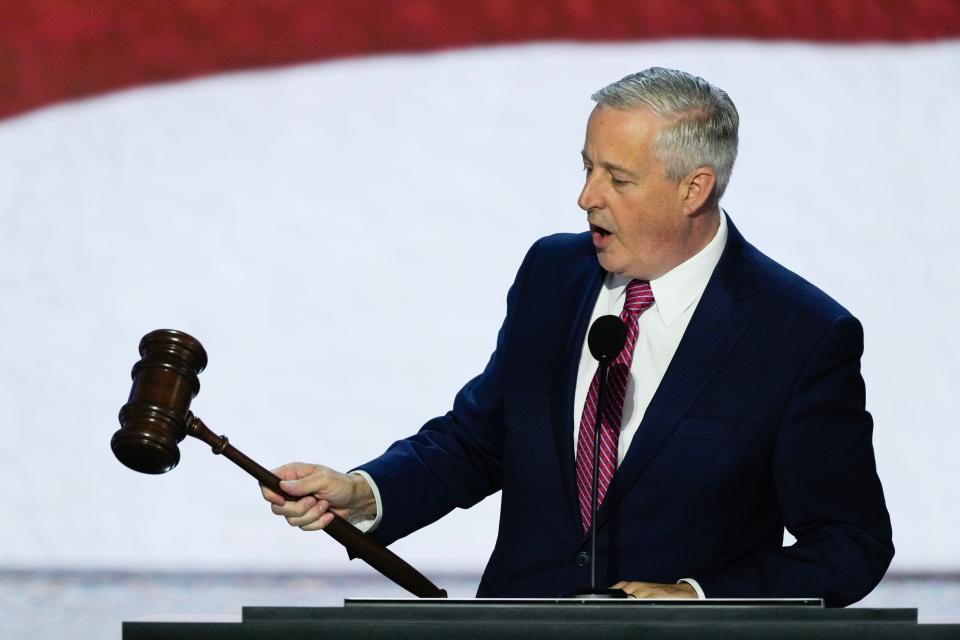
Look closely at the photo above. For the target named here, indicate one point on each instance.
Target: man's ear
(697, 189)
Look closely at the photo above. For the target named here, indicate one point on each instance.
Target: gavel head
(154, 420)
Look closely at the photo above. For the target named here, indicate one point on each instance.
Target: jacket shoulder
(560, 256)
(790, 293)
(564, 245)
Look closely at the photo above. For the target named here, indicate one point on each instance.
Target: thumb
(291, 475)
(294, 488)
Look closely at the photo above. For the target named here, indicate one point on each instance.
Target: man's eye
(587, 169)
(617, 182)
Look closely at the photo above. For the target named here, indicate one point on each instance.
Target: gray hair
(702, 120)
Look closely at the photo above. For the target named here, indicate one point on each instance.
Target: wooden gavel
(157, 417)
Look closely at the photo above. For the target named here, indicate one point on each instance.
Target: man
(735, 409)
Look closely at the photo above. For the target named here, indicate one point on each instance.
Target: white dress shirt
(676, 294)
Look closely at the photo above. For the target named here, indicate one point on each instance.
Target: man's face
(635, 213)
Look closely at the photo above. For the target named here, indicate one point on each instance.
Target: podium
(535, 619)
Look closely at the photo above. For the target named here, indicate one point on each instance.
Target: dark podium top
(534, 619)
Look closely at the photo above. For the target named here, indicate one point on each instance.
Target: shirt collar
(676, 290)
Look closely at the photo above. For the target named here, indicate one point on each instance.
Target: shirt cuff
(369, 526)
(690, 581)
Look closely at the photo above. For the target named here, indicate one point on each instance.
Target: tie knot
(639, 296)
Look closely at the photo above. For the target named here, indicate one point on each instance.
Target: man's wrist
(367, 517)
(364, 503)
(694, 585)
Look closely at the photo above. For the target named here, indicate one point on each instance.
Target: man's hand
(321, 492)
(653, 590)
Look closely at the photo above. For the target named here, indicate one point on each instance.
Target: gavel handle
(376, 555)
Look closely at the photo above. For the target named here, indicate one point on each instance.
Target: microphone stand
(606, 338)
(594, 593)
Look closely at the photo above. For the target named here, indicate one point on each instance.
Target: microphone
(606, 338)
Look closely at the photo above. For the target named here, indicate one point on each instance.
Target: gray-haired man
(741, 409)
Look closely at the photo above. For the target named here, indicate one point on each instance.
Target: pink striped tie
(639, 299)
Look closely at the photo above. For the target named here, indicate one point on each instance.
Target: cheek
(647, 233)
(633, 224)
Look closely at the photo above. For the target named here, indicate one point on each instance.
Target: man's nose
(589, 195)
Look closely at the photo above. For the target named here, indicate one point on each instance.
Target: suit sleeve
(454, 460)
(827, 486)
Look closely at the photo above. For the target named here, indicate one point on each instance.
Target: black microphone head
(607, 336)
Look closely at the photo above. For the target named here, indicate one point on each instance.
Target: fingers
(315, 488)
(311, 514)
(635, 589)
(294, 509)
(307, 513)
(271, 497)
(298, 479)
(295, 470)
(319, 523)
(291, 471)
(654, 590)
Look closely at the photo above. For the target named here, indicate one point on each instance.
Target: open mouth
(601, 237)
(599, 230)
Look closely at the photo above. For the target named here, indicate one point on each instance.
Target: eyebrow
(609, 166)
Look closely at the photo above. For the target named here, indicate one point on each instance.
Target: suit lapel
(585, 287)
(714, 329)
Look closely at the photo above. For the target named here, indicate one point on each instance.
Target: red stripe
(52, 50)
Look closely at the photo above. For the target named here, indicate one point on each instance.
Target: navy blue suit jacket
(758, 423)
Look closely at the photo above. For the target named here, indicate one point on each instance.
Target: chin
(622, 267)
(610, 263)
